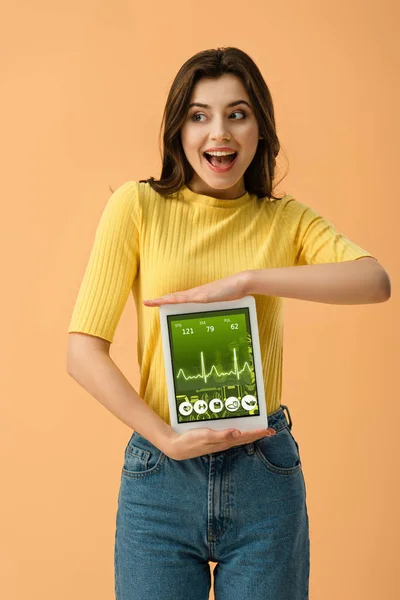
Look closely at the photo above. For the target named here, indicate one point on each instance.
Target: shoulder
(290, 204)
(123, 205)
(126, 196)
(292, 210)
(286, 208)
(128, 190)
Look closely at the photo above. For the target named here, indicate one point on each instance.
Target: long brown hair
(176, 170)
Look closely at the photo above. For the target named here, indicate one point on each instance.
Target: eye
(240, 112)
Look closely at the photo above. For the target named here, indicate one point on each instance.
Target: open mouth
(220, 161)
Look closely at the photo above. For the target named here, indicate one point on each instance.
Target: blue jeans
(243, 508)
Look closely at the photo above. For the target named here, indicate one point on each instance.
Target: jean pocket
(279, 453)
(141, 457)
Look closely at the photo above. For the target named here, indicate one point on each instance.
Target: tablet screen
(212, 365)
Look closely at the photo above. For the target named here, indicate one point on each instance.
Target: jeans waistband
(277, 420)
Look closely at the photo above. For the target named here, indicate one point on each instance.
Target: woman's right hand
(199, 441)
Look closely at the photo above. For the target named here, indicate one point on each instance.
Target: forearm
(97, 373)
(350, 282)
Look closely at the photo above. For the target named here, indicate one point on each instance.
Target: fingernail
(236, 434)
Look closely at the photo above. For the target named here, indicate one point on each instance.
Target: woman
(210, 229)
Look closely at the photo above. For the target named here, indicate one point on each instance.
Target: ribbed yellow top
(153, 246)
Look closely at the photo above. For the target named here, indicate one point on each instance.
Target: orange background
(83, 87)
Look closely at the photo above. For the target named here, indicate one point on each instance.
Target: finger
(240, 437)
(247, 437)
(159, 300)
(165, 297)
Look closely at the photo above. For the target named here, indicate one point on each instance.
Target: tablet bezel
(242, 423)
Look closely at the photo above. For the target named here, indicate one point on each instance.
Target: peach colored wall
(83, 86)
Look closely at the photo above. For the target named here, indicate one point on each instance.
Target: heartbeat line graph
(205, 376)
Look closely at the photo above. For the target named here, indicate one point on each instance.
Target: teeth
(219, 153)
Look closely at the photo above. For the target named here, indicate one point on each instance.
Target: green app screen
(212, 365)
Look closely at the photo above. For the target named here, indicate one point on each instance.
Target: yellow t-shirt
(153, 246)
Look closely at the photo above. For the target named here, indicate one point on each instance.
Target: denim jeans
(243, 508)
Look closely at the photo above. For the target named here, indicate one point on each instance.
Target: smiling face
(219, 125)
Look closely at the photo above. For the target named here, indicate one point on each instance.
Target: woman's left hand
(232, 287)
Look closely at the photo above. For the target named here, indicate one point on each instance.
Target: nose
(220, 130)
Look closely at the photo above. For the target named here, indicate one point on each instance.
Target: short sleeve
(316, 240)
(112, 266)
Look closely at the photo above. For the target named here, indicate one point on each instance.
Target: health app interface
(212, 365)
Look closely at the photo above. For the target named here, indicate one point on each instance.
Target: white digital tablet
(213, 365)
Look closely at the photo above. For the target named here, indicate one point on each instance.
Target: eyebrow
(228, 105)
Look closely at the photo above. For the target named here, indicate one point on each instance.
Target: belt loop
(288, 413)
(250, 447)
